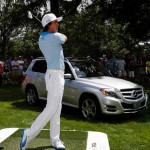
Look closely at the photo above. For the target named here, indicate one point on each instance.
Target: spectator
(9, 61)
(21, 66)
(26, 64)
(110, 65)
(120, 63)
(6, 72)
(104, 59)
(21, 63)
(100, 61)
(114, 59)
(127, 60)
(139, 68)
(131, 68)
(15, 70)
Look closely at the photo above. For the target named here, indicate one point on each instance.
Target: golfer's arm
(65, 38)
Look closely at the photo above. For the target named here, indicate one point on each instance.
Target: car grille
(132, 94)
(131, 106)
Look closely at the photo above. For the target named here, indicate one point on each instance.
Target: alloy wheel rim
(31, 96)
(88, 109)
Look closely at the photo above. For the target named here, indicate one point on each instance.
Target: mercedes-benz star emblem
(135, 94)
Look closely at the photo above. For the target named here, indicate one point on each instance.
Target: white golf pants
(55, 86)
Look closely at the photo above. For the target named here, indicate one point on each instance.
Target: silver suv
(89, 87)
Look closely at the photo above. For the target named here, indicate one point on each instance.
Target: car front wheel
(32, 96)
(89, 108)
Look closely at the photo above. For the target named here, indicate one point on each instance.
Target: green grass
(125, 132)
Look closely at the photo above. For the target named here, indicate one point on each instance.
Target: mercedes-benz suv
(89, 87)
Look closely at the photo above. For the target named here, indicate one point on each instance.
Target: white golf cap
(49, 18)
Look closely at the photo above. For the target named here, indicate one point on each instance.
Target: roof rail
(66, 59)
(90, 58)
(40, 58)
(69, 58)
(80, 58)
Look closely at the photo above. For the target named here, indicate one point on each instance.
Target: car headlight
(110, 92)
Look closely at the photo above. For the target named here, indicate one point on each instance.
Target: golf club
(30, 15)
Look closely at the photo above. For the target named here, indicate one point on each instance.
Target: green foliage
(28, 44)
(14, 21)
(134, 13)
(89, 35)
(105, 26)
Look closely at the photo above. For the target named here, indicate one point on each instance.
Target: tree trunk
(4, 46)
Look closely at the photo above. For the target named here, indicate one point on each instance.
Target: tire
(89, 107)
(32, 96)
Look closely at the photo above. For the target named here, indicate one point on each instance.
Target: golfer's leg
(55, 120)
(55, 125)
(48, 111)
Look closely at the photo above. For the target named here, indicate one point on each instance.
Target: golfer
(50, 43)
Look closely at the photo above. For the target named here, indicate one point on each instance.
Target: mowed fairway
(72, 140)
(125, 132)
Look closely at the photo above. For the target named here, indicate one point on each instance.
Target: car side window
(67, 69)
(40, 66)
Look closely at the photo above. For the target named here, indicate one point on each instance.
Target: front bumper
(110, 105)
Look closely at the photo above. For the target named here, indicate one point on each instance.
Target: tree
(133, 14)
(89, 34)
(14, 19)
(132, 18)
(27, 43)
(8, 12)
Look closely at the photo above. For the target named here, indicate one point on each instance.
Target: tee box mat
(73, 140)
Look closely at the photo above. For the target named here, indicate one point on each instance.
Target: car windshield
(86, 69)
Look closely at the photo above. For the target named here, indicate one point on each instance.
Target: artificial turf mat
(74, 140)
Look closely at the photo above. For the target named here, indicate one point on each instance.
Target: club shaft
(36, 18)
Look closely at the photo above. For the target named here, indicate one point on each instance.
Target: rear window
(40, 66)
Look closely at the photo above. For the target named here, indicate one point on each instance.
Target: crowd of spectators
(11, 69)
(134, 68)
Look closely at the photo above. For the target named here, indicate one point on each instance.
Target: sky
(79, 7)
(87, 1)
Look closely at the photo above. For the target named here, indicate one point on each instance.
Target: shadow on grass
(74, 114)
(10, 92)
(40, 148)
(67, 112)
(71, 113)
(143, 117)
(25, 106)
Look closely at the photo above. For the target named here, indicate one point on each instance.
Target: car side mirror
(67, 76)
